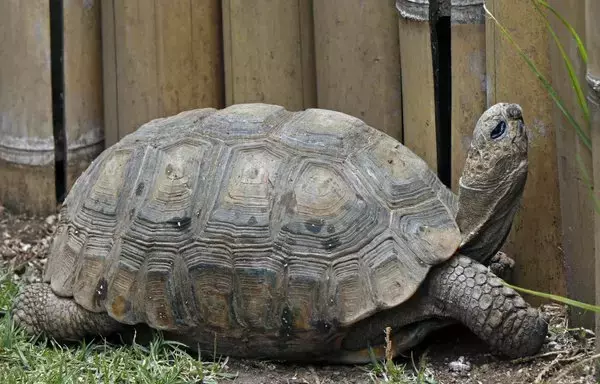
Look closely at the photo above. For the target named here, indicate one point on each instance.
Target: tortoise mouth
(519, 137)
(521, 127)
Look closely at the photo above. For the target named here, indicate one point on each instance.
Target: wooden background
(126, 62)
(536, 231)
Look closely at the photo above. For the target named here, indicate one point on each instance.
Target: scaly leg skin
(460, 290)
(39, 311)
(467, 291)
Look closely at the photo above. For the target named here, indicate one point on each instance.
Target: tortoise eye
(499, 130)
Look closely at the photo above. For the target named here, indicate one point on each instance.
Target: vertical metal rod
(439, 16)
(58, 97)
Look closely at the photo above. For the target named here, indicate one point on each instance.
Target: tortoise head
(492, 181)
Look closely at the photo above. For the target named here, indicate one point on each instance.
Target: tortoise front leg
(38, 310)
(460, 290)
(465, 290)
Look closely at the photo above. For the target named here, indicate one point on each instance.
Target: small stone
(586, 369)
(8, 253)
(19, 269)
(25, 247)
(50, 220)
(460, 365)
(32, 279)
(553, 345)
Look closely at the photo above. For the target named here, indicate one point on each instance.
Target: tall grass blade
(572, 75)
(580, 45)
(560, 299)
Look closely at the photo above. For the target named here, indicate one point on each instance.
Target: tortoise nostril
(514, 112)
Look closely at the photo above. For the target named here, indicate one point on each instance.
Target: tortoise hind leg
(363, 343)
(38, 310)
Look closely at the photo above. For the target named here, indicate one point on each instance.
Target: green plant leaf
(557, 298)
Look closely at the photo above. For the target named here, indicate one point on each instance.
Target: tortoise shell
(251, 217)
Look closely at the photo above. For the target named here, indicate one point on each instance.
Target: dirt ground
(452, 355)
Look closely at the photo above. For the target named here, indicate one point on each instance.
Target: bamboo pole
(26, 137)
(84, 120)
(27, 142)
(159, 58)
(358, 61)
(468, 78)
(418, 93)
(269, 52)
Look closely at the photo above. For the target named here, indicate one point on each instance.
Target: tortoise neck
(485, 215)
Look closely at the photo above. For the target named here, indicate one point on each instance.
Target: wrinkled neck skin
(489, 197)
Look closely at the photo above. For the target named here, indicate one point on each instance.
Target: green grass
(23, 360)
(28, 360)
(389, 372)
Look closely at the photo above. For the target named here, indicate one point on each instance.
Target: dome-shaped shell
(251, 217)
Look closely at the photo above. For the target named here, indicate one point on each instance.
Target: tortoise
(257, 232)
